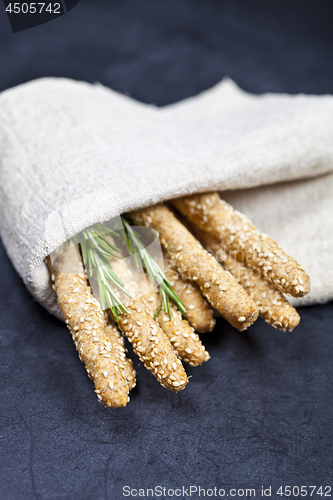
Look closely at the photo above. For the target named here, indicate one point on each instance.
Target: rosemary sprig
(97, 252)
(155, 273)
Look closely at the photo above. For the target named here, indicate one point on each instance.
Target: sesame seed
(70, 300)
(175, 384)
(179, 248)
(139, 323)
(174, 365)
(111, 385)
(191, 307)
(241, 319)
(76, 327)
(188, 351)
(75, 290)
(206, 285)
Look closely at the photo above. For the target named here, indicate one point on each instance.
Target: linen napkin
(73, 154)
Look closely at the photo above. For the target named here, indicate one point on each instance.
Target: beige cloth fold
(73, 154)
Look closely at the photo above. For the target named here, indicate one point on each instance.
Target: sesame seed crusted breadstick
(86, 322)
(199, 314)
(149, 341)
(183, 339)
(195, 263)
(117, 341)
(237, 234)
(273, 306)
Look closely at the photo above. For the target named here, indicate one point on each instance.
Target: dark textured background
(260, 412)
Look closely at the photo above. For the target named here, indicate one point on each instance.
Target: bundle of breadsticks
(214, 258)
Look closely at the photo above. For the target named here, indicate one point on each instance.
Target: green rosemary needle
(155, 273)
(96, 254)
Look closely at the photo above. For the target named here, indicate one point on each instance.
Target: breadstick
(117, 341)
(183, 339)
(199, 314)
(195, 263)
(273, 306)
(149, 341)
(237, 234)
(85, 320)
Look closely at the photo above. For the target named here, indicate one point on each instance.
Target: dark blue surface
(260, 411)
